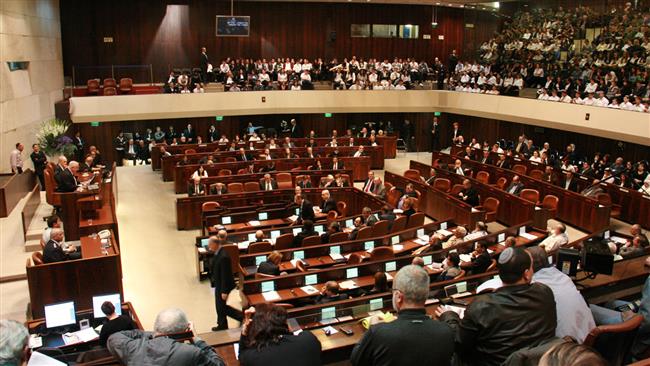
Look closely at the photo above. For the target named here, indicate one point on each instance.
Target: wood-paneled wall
(481, 128)
(169, 33)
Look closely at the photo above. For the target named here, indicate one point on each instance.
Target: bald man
(67, 179)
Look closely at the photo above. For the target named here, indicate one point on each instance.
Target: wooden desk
(13, 187)
(359, 166)
(78, 280)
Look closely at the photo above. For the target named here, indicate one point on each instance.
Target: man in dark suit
(307, 231)
(368, 184)
(189, 133)
(328, 203)
(515, 186)
(196, 188)
(67, 181)
(409, 191)
(407, 340)
(333, 227)
(310, 153)
(387, 214)
(296, 130)
(481, 259)
(87, 165)
(306, 209)
(503, 163)
(330, 293)
(243, 156)
(219, 189)
(336, 164)
(79, 144)
(485, 159)
(54, 249)
(222, 280)
(267, 183)
(435, 135)
(570, 182)
(305, 182)
(368, 217)
(586, 170)
(60, 167)
(40, 162)
(456, 135)
(204, 64)
(359, 153)
(469, 194)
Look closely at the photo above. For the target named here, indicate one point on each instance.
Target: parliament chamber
(340, 182)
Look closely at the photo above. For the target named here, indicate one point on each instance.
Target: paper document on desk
(388, 277)
(490, 251)
(474, 210)
(537, 208)
(348, 285)
(310, 290)
(243, 245)
(465, 257)
(202, 250)
(398, 248)
(431, 301)
(421, 241)
(444, 232)
(456, 309)
(528, 236)
(39, 359)
(337, 257)
(292, 218)
(235, 347)
(87, 335)
(254, 223)
(271, 295)
(398, 211)
(435, 265)
(618, 240)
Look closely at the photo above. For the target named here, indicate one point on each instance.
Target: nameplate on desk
(501, 237)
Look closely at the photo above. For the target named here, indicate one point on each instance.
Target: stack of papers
(337, 257)
(202, 250)
(465, 257)
(528, 236)
(398, 211)
(254, 223)
(456, 309)
(618, 240)
(398, 247)
(431, 301)
(435, 265)
(348, 285)
(84, 335)
(271, 296)
(310, 290)
(292, 218)
(421, 241)
(243, 245)
(444, 232)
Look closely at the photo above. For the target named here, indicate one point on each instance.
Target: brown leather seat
(261, 247)
(126, 85)
(300, 266)
(380, 253)
(605, 200)
(311, 240)
(519, 169)
(338, 237)
(230, 159)
(37, 258)
(355, 258)
(442, 184)
(42, 242)
(388, 186)
(284, 241)
(456, 189)
(491, 206)
(342, 208)
(51, 196)
(501, 183)
(235, 187)
(399, 224)
(530, 195)
(331, 216)
(92, 87)
(110, 83)
(416, 203)
(550, 203)
(224, 172)
(364, 233)
(412, 174)
(613, 341)
(262, 275)
(251, 187)
(189, 151)
(483, 177)
(110, 90)
(417, 219)
(209, 206)
(242, 171)
(536, 174)
(284, 180)
(380, 228)
(393, 196)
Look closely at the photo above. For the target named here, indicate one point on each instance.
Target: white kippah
(506, 255)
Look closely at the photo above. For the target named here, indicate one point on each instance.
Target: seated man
(435, 241)
(593, 190)
(307, 231)
(260, 237)
(305, 182)
(469, 194)
(378, 189)
(557, 238)
(329, 293)
(481, 259)
(136, 347)
(328, 182)
(515, 186)
(492, 328)
(480, 230)
(333, 227)
(369, 218)
(634, 248)
(359, 152)
(432, 177)
(196, 188)
(407, 340)
(358, 225)
(52, 222)
(218, 188)
(387, 214)
(267, 183)
(14, 343)
(328, 203)
(306, 209)
(458, 167)
(409, 191)
(56, 250)
(67, 182)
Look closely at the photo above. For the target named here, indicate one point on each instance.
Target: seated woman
(271, 266)
(407, 207)
(381, 284)
(200, 172)
(266, 340)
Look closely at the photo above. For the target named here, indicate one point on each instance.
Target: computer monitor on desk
(99, 300)
(60, 315)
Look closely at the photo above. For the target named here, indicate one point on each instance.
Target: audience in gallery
(548, 49)
(137, 347)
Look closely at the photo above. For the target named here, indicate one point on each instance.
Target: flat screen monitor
(394, 240)
(204, 242)
(59, 315)
(427, 260)
(443, 226)
(328, 313)
(311, 280)
(376, 304)
(296, 230)
(369, 245)
(226, 220)
(349, 223)
(251, 237)
(391, 266)
(263, 216)
(259, 259)
(299, 254)
(336, 250)
(352, 273)
(297, 211)
(99, 300)
(233, 26)
(275, 234)
(268, 286)
(320, 230)
(420, 232)
(501, 238)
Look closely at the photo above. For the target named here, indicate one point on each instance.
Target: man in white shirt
(359, 152)
(601, 101)
(16, 159)
(557, 238)
(591, 87)
(565, 97)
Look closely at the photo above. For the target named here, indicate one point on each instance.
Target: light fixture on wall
(434, 17)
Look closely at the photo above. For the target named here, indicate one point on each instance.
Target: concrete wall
(30, 30)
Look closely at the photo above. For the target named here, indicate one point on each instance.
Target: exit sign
(437, 114)
(219, 118)
(95, 124)
(328, 115)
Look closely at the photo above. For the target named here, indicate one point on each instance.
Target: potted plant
(53, 141)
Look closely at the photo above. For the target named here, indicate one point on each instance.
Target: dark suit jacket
(371, 220)
(249, 157)
(83, 167)
(224, 190)
(323, 299)
(189, 134)
(387, 216)
(268, 268)
(193, 192)
(303, 184)
(306, 212)
(340, 165)
(503, 164)
(53, 253)
(471, 196)
(573, 185)
(221, 277)
(297, 240)
(518, 187)
(274, 184)
(67, 182)
(327, 206)
(296, 132)
(39, 160)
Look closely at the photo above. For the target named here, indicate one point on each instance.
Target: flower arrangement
(52, 139)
